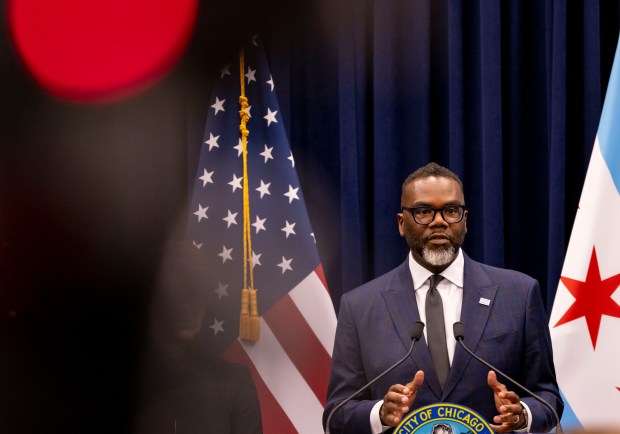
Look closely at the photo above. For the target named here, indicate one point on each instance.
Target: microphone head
(459, 330)
(416, 330)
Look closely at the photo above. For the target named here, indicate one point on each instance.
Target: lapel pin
(484, 301)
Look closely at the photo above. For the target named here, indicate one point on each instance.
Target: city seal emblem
(443, 418)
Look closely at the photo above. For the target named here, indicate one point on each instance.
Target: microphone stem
(357, 392)
(532, 394)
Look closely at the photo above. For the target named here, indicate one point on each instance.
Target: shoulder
(374, 288)
(370, 300)
(202, 359)
(496, 275)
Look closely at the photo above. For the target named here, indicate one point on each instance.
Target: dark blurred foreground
(89, 195)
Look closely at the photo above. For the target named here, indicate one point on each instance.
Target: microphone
(459, 335)
(416, 334)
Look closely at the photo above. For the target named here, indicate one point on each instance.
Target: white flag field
(585, 320)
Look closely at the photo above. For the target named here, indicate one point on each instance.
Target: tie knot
(434, 280)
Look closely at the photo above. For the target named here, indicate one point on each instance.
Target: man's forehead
(433, 187)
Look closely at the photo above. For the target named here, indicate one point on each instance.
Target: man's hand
(399, 399)
(508, 404)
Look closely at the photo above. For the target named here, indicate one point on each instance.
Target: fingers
(501, 428)
(416, 383)
(397, 402)
(509, 417)
(509, 397)
(395, 405)
(507, 422)
(493, 383)
(502, 393)
(508, 405)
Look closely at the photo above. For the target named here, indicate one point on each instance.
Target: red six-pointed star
(592, 298)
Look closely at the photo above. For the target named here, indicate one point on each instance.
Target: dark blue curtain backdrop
(507, 94)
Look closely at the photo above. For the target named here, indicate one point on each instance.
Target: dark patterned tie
(436, 331)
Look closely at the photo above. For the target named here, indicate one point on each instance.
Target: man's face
(435, 245)
(182, 305)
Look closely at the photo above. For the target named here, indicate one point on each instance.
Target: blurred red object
(100, 49)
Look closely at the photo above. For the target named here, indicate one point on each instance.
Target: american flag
(291, 360)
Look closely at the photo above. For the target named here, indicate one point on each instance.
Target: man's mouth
(438, 239)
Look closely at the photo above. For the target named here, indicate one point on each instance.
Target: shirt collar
(454, 273)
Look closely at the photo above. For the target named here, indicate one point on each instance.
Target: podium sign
(443, 418)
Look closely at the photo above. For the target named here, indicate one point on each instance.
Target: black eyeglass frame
(413, 209)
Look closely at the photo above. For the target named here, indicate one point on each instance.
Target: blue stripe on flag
(609, 127)
(569, 419)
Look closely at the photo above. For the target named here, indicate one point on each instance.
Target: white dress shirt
(451, 290)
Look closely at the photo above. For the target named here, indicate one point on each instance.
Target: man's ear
(401, 224)
(465, 220)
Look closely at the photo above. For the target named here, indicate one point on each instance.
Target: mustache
(442, 235)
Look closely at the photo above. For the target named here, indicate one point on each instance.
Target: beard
(437, 256)
(440, 256)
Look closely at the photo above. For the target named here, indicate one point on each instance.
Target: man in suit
(185, 387)
(502, 312)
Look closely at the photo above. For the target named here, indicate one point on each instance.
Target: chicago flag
(585, 320)
(291, 360)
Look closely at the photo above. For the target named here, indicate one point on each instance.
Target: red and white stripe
(291, 360)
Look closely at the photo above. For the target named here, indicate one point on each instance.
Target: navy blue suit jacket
(511, 332)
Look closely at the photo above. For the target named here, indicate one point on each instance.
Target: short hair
(432, 169)
(186, 262)
(444, 426)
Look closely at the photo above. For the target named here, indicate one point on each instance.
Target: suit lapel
(400, 299)
(478, 296)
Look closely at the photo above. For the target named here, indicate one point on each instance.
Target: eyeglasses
(424, 215)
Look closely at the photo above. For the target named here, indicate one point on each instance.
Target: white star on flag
(202, 212)
(251, 75)
(271, 83)
(217, 326)
(263, 189)
(270, 116)
(197, 245)
(207, 177)
(239, 147)
(226, 254)
(212, 142)
(292, 160)
(236, 183)
(259, 224)
(285, 264)
(292, 193)
(256, 259)
(225, 71)
(230, 219)
(219, 105)
(267, 153)
(289, 228)
(222, 290)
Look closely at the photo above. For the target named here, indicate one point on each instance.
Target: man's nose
(438, 220)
